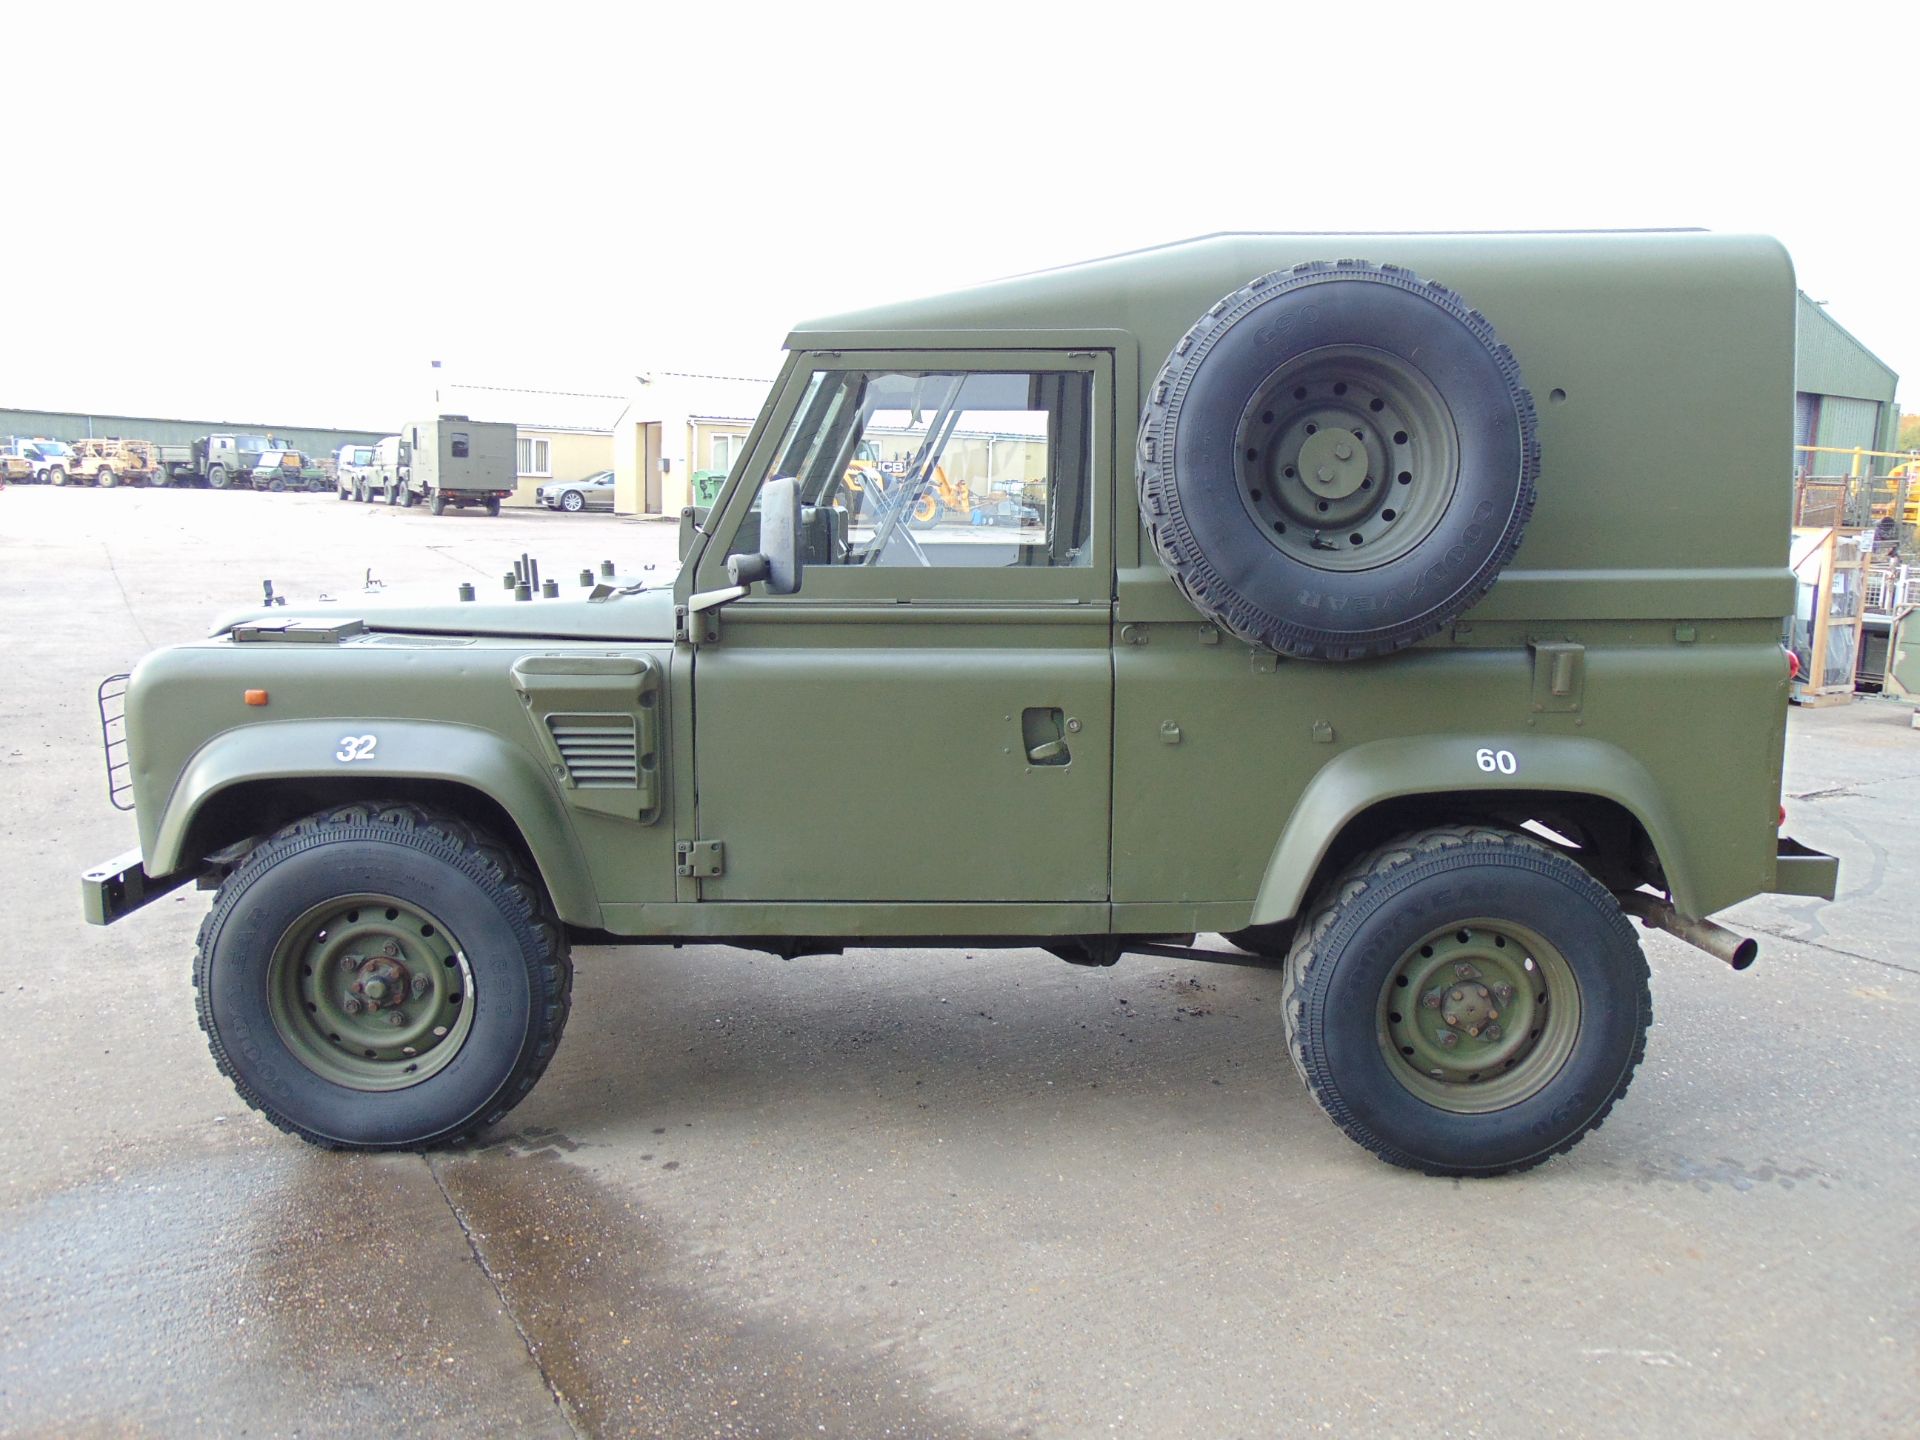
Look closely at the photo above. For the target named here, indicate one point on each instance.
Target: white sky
(558, 196)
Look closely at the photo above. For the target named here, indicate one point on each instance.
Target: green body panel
(860, 751)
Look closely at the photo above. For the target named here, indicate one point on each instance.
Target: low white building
(677, 426)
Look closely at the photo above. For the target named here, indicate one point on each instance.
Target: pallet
(1814, 701)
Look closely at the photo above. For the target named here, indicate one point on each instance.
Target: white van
(352, 465)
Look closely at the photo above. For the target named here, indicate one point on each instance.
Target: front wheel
(57, 476)
(382, 977)
(106, 479)
(573, 502)
(1466, 1001)
(217, 476)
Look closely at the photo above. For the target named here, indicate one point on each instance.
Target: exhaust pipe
(1738, 951)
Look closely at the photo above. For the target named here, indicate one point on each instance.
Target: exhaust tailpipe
(1738, 951)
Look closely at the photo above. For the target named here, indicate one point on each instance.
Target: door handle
(1043, 735)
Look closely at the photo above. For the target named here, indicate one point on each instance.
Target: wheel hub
(1478, 1016)
(1347, 458)
(1333, 464)
(371, 993)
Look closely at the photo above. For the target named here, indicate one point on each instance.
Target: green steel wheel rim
(370, 992)
(1347, 458)
(1479, 1015)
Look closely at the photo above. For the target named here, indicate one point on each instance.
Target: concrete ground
(900, 1193)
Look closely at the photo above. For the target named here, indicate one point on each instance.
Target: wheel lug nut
(396, 1018)
(1466, 971)
(1449, 1039)
(1459, 995)
(1431, 999)
(1483, 991)
(390, 949)
(351, 1004)
(349, 962)
(1505, 992)
(1490, 1032)
(1474, 1030)
(420, 984)
(1451, 1019)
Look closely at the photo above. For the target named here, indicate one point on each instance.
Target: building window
(726, 449)
(532, 456)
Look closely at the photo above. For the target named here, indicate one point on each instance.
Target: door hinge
(701, 859)
(1559, 676)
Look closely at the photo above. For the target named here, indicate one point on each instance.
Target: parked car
(593, 493)
(352, 464)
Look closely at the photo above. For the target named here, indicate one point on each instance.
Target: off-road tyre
(1353, 935)
(407, 497)
(1337, 557)
(157, 479)
(56, 476)
(508, 932)
(493, 507)
(438, 504)
(106, 479)
(217, 477)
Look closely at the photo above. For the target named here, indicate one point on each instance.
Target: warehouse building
(71, 425)
(1843, 395)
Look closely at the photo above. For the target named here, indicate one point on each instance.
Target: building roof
(704, 397)
(535, 409)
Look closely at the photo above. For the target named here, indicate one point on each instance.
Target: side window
(942, 469)
(459, 444)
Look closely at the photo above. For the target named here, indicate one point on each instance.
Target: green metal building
(71, 425)
(1843, 394)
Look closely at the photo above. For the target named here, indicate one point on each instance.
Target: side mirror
(781, 558)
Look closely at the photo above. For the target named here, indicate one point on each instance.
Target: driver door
(929, 718)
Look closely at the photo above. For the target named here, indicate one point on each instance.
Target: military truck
(222, 462)
(20, 458)
(1328, 639)
(457, 462)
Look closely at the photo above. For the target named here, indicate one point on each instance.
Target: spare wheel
(1337, 460)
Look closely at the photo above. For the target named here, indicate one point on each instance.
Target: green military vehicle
(1319, 635)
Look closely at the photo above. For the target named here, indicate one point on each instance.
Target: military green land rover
(1411, 619)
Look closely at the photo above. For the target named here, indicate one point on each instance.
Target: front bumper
(1801, 870)
(121, 886)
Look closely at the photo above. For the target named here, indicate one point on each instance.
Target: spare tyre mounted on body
(1337, 460)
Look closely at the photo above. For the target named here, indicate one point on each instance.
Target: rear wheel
(1466, 1001)
(493, 507)
(382, 976)
(438, 505)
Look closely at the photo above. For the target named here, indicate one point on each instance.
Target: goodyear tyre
(1466, 1001)
(1337, 460)
(382, 977)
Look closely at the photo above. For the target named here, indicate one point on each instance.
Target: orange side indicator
(256, 697)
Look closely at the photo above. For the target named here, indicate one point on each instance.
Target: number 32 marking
(355, 747)
(1503, 761)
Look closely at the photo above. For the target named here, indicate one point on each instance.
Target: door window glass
(956, 469)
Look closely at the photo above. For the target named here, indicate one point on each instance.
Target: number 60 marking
(1492, 760)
